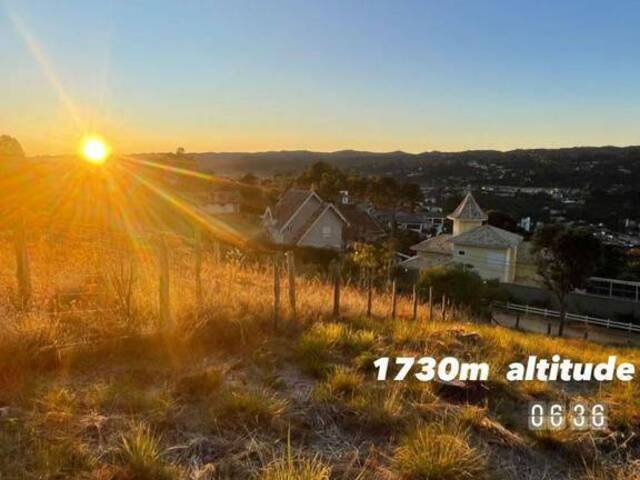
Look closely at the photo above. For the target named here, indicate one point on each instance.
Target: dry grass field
(93, 389)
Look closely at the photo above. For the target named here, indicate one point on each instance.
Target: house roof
(288, 204)
(226, 196)
(412, 217)
(438, 244)
(360, 221)
(487, 236)
(423, 263)
(468, 210)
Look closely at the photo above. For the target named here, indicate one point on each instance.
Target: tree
(565, 259)
(10, 148)
(502, 220)
(462, 285)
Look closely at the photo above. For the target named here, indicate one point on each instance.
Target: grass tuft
(439, 452)
(142, 455)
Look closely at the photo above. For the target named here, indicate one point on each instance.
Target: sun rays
(128, 194)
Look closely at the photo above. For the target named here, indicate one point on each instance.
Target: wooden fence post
(444, 307)
(276, 290)
(291, 275)
(23, 275)
(336, 289)
(414, 302)
(430, 303)
(369, 291)
(217, 253)
(198, 269)
(517, 321)
(394, 299)
(163, 297)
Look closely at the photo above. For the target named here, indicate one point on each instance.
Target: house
(302, 218)
(223, 202)
(419, 222)
(490, 251)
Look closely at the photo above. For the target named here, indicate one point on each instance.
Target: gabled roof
(314, 218)
(468, 210)
(487, 236)
(424, 263)
(438, 244)
(288, 205)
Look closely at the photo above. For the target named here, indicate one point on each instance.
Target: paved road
(538, 324)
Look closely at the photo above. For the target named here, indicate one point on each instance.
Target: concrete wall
(579, 303)
(488, 262)
(325, 233)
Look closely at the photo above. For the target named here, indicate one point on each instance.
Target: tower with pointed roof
(467, 216)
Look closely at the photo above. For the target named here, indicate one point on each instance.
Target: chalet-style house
(302, 218)
(492, 252)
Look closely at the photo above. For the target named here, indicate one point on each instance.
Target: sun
(94, 149)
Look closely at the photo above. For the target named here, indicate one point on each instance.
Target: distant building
(525, 224)
(490, 251)
(223, 202)
(419, 222)
(302, 218)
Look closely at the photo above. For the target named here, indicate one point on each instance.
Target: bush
(460, 284)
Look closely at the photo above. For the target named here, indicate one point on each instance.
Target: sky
(326, 75)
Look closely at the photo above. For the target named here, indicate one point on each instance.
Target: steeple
(467, 216)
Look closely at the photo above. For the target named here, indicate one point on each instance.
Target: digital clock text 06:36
(561, 415)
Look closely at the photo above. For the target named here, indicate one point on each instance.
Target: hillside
(226, 394)
(370, 162)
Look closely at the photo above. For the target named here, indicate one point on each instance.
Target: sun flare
(94, 149)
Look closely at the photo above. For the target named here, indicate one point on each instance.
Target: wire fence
(85, 283)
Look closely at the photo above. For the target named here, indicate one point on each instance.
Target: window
(460, 252)
(326, 232)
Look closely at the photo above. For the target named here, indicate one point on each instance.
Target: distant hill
(388, 162)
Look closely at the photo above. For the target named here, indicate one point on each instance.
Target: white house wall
(488, 262)
(317, 234)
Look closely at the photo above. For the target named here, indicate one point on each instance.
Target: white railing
(573, 317)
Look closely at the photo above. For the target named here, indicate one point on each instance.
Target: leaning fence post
(336, 289)
(394, 299)
(23, 275)
(369, 292)
(517, 321)
(291, 277)
(444, 307)
(414, 302)
(163, 293)
(198, 269)
(430, 303)
(276, 291)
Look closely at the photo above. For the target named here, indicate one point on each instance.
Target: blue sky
(236, 75)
